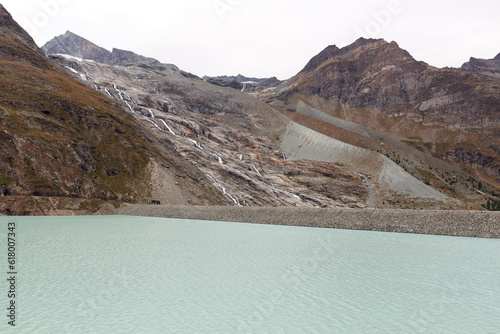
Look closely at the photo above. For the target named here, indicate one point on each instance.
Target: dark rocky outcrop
(489, 164)
(123, 57)
(224, 82)
(330, 52)
(488, 67)
(242, 82)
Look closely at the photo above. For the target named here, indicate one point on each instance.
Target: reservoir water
(123, 274)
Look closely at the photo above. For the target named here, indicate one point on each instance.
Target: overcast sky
(264, 38)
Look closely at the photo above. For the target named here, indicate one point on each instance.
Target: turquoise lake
(123, 274)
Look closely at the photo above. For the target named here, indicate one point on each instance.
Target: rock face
(123, 57)
(64, 146)
(232, 138)
(328, 53)
(377, 74)
(381, 86)
(76, 46)
(488, 67)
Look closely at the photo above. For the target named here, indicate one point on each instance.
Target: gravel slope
(453, 223)
(300, 142)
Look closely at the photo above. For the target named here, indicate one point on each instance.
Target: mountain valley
(86, 130)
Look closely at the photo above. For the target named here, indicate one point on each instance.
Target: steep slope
(488, 67)
(447, 178)
(17, 45)
(232, 138)
(64, 146)
(450, 114)
(303, 143)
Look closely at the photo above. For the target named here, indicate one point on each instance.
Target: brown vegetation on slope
(61, 139)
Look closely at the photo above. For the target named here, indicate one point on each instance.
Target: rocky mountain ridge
(450, 114)
(488, 67)
(178, 107)
(76, 46)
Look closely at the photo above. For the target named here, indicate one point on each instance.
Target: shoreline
(475, 224)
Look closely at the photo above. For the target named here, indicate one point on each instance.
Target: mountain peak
(497, 57)
(77, 46)
(336, 71)
(365, 41)
(69, 33)
(362, 44)
(366, 48)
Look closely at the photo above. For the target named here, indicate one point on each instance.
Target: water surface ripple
(124, 274)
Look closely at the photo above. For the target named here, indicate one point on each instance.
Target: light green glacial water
(147, 275)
